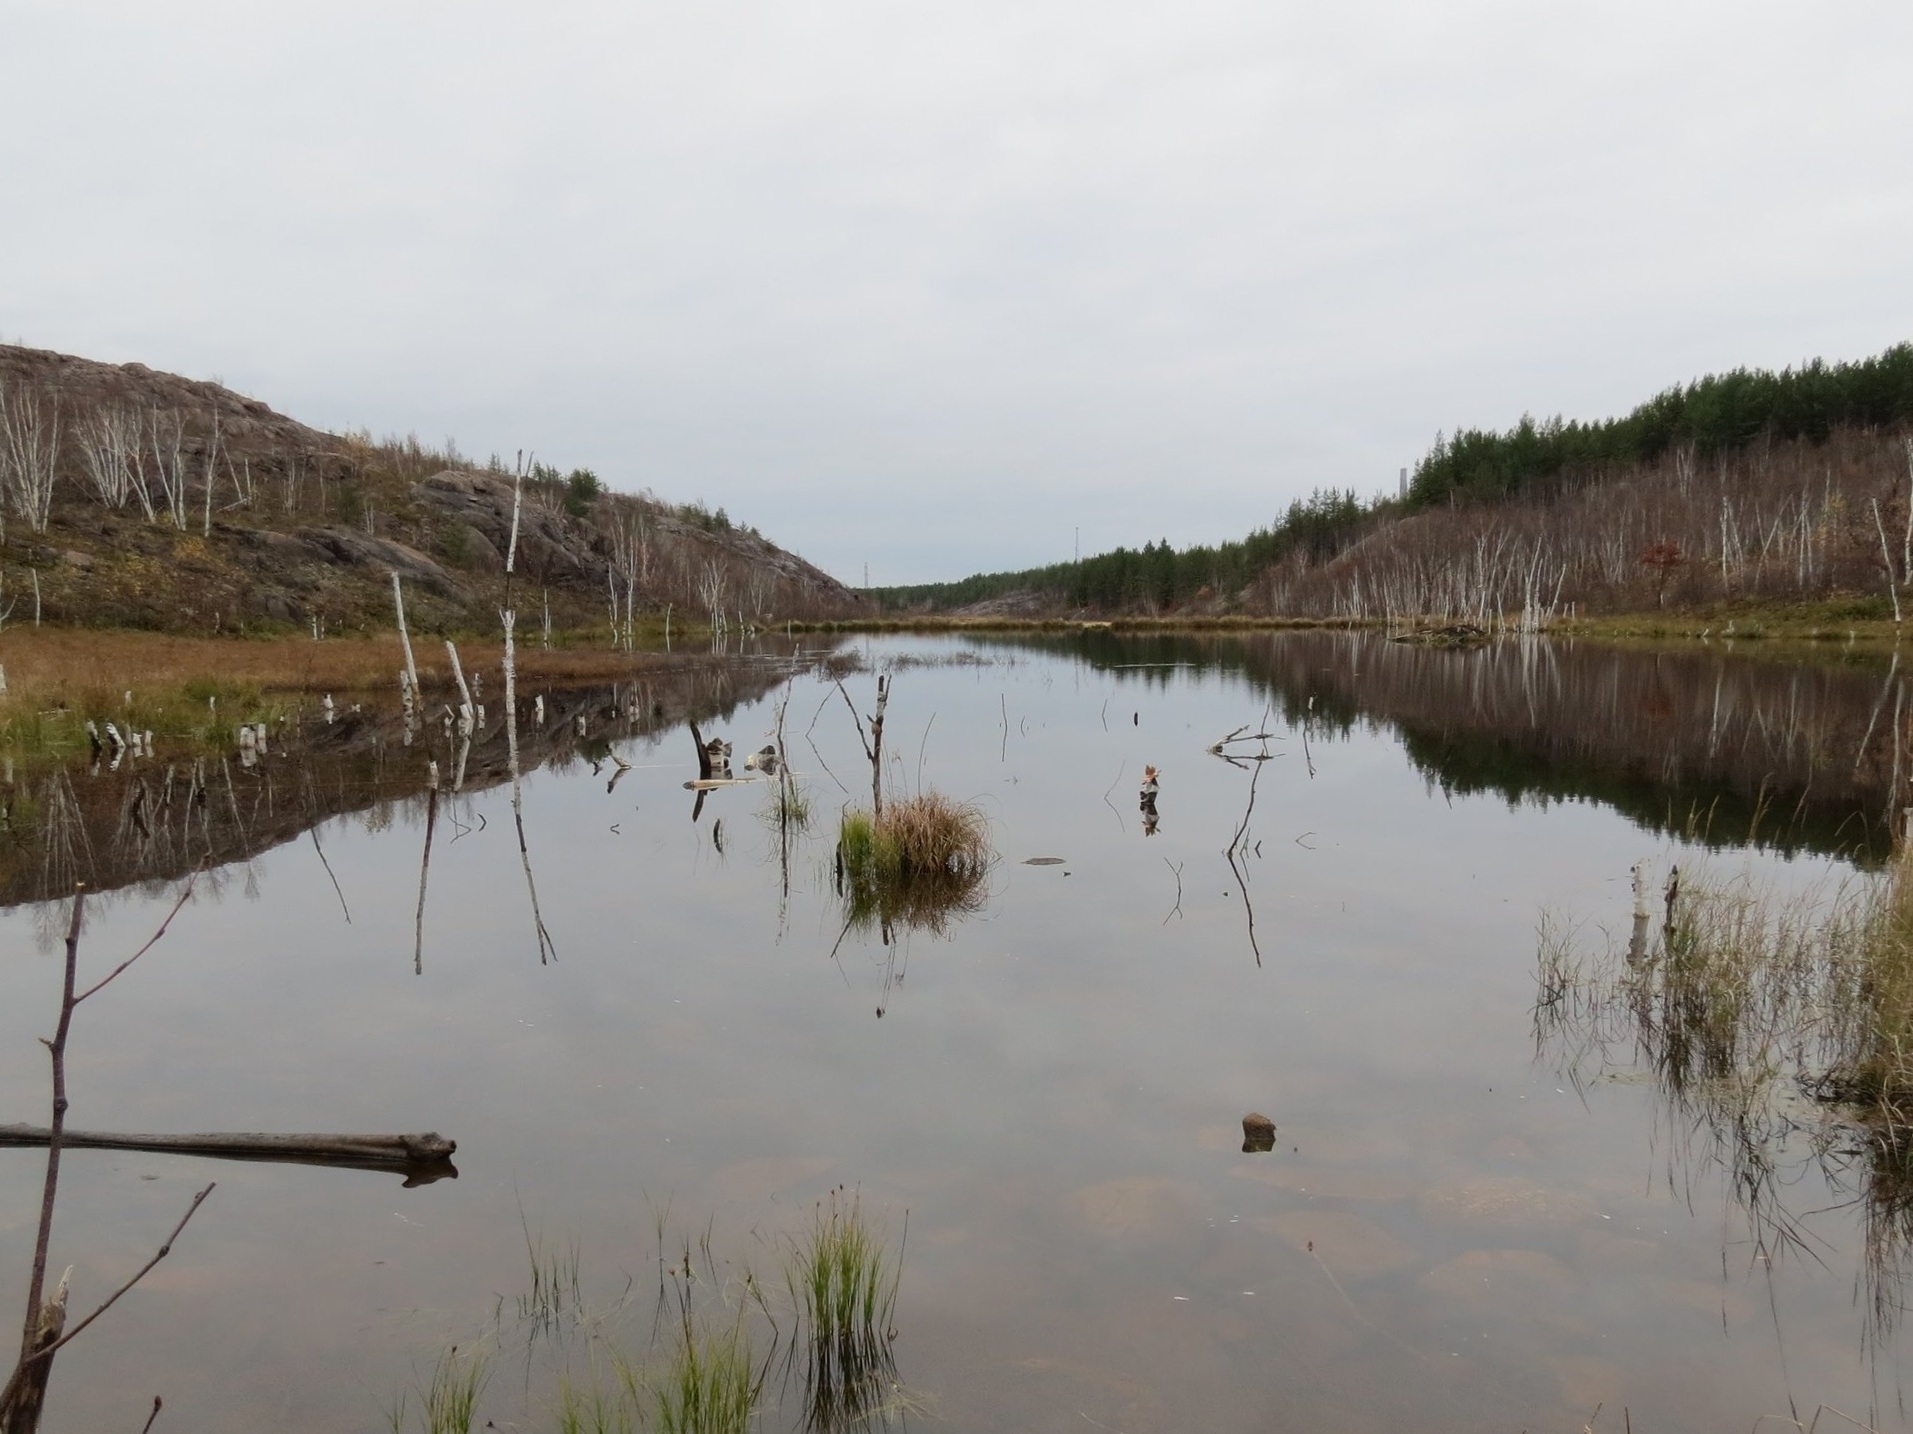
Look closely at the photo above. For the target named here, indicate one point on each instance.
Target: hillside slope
(143, 499)
(1769, 487)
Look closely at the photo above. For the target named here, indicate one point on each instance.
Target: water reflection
(152, 819)
(1240, 849)
(1717, 746)
(1057, 1100)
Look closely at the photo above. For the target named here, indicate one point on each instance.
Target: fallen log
(428, 1154)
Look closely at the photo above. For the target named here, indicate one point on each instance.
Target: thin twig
(1121, 767)
(1218, 745)
(56, 1050)
(1176, 867)
(335, 880)
(922, 746)
(151, 941)
(818, 713)
(147, 1427)
(857, 720)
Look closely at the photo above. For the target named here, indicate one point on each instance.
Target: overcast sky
(929, 288)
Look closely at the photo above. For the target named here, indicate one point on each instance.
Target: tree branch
(112, 1299)
(151, 941)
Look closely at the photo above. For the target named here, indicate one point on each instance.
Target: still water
(1336, 929)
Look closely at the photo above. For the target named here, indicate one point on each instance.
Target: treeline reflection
(151, 820)
(1715, 745)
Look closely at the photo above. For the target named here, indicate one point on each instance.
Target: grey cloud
(929, 290)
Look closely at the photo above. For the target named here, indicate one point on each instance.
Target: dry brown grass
(48, 667)
(197, 688)
(920, 864)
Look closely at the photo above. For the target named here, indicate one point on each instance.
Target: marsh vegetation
(719, 1350)
(1761, 1014)
(919, 864)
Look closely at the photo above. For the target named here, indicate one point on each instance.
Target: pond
(1331, 922)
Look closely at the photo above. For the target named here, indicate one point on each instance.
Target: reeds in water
(448, 1404)
(843, 1280)
(789, 808)
(710, 1386)
(1742, 1001)
(554, 1296)
(591, 1409)
(1873, 1004)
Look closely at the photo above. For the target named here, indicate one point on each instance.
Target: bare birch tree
(166, 434)
(29, 454)
(109, 441)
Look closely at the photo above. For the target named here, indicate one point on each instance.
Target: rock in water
(1258, 1133)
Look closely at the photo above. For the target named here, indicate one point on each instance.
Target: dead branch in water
(872, 744)
(1243, 734)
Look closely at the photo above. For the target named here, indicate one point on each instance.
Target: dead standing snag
(872, 744)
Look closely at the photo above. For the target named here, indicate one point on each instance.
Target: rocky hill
(143, 499)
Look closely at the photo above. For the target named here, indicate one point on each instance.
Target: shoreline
(1847, 621)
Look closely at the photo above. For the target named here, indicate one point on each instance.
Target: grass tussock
(590, 1408)
(716, 1332)
(919, 863)
(448, 1401)
(843, 1281)
(788, 808)
(710, 1384)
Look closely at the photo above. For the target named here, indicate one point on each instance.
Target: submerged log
(373, 1151)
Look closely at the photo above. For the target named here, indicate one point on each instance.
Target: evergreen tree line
(1713, 416)
(1720, 413)
(1155, 575)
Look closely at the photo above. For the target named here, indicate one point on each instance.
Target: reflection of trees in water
(1702, 743)
(153, 820)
